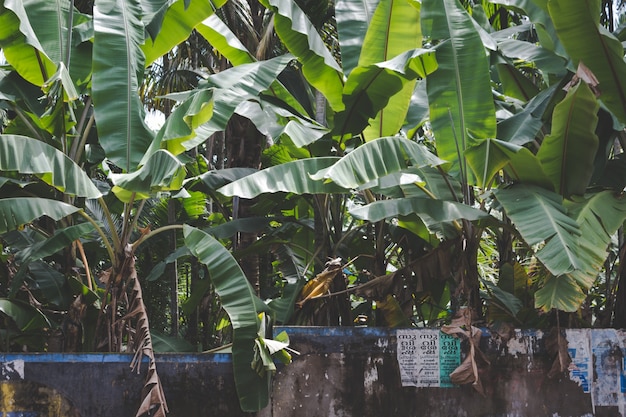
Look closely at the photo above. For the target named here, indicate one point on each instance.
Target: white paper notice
(426, 357)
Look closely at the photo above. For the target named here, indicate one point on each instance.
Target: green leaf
(393, 30)
(376, 159)
(562, 293)
(369, 90)
(49, 284)
(162, 172)
(25, 316)
(432, 211)
(291, 177)
(15, 212)
(20, 45)
(459, 92)
(299, 36)
(568, 153)
(578, 27)
(158, 269)
(492, 155)
(599, 217)
(177, 24)
(47, 163)
(118, 66)
(209, 108)
(353, 18)
(224, 40)
(238, 299)
(540, 217)
(163, 343)
(544, 59)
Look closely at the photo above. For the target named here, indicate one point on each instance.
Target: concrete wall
(357, 372)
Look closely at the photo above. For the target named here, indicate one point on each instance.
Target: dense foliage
(379, 162)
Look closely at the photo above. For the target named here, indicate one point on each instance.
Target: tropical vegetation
(370, 162)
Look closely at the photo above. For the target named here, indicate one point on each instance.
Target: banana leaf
(382, 85)
(299, 36)
(459, 92)
(176, 25)
(377, 159)
(393, 30)
(16, 212)
(430, 209)
(118, 66)
(291, 177)
(353, 18)
(239, 301)
(578, 27)
(540, 217)
(562, 293)
(47, 163)
(567, 154)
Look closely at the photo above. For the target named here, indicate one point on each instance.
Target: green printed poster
(426, 357)
(449, 358)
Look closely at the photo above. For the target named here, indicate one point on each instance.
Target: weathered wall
(355, 372)
(339, 372)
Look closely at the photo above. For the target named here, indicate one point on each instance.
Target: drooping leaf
(393, 30)
(459, 91)
(370, 88)
(562, 293)
(492, 155)
(568, 153)
(293, 177)
(163, 343)
(540, 216)
(599, 217)
(376, 159)
(299, 36)
(47, 163)
(224, 40)
(209, 108)
(545, 59)
(15, 212)
(427, 208)
(177, 23)
(118, 67)
(162, 172)
(25, 316)
(238, 299)
(49, 284)
(353, 18)
(578, 27)
(20, 44)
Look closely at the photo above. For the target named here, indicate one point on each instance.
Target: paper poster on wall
(579, 349)
(426, 357)
(605, 347)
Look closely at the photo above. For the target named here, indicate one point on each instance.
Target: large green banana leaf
(226, 43)
(599, 217)
(459, 91)
(238, 299)
(377, 159)
(372, 88)
(492, 155)
(432, 209)
(544, 59)
(291, 177)
(393, 30)
(208, 109)
(540, 217)
(578, 26)
(162, 172)
(224, 40)
(61, 239)
(25, 316)
(562, 293)
(15, 212)
(118, 66)
(353, 18)
(567, 154)
(20, 44)
(47, 163)
(299, 36)
(176, 25)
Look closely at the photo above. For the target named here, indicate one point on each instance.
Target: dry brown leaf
(321, 283)
(556, 346)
